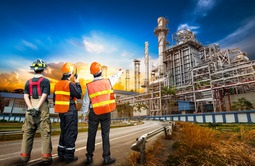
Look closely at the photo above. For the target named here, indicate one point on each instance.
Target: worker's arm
(114, 79)
(27, 100)
(75, 89)
(85, 105)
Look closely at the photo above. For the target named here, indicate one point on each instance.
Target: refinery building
(206, 78)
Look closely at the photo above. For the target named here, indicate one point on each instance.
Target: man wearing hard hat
(64, 98)
(99, 100)
(36, 94)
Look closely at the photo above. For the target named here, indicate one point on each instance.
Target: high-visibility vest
(101, 96)
(62, 96)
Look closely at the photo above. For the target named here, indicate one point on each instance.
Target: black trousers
(69, 132)
(105, 122)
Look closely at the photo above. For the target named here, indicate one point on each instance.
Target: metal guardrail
(19, 132)
(3, 133)
(140, 145)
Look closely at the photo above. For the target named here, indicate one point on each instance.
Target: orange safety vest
(62, 96)
(101, 95)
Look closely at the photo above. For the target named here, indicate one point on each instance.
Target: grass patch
(196, 145)
(201, 145)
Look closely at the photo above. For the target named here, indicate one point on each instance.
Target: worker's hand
(121, 70)
(76, 78)
(86, 119)
(34, 112)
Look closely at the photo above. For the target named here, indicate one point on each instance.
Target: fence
(209, 117)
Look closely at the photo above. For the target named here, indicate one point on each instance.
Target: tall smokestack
(146, 62)
(161, 31)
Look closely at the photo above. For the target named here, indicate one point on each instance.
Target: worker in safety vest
(64, 98)
(99, 100)
(37, 116)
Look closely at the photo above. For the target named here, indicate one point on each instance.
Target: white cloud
(241, 33)
(203, 6)
(188, 27)
(243, 38)
(76, 43)
(106, 49)
(30, 45)
(126, 54)
(98, 43)
(93, 47)
(11, 80)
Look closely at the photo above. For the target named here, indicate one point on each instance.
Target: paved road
(121, 140)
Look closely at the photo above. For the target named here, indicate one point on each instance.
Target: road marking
(38, 160)
(34, 161)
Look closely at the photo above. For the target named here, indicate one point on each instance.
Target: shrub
(203, 146)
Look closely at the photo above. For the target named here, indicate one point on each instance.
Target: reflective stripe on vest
(62, 96)
(101, 96)
(37, 84)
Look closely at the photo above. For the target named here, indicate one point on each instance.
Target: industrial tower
(161, 31)
(127, 80)
(206, 78)
(137, 74)
(146, 62)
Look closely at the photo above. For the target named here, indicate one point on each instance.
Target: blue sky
(112, 32)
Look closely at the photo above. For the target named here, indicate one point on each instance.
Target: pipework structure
(127, 80)
(137, 74)
(207, 78)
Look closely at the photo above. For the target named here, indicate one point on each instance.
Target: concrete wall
(249, 96)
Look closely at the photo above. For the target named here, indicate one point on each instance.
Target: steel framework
(205, 75)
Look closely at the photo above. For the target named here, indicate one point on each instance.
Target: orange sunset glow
(17, 80)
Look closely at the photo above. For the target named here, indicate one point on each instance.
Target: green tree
(139, 106)
(168, 90)
(242, 104)
(20, 91)
(125, 108)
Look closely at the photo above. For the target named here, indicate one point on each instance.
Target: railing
(6, 133)
(245, 116)
(140, 145)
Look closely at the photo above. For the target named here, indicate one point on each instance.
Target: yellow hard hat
(38, 64)
(95, 68)
(68, 68)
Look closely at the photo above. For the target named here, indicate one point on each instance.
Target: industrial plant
(203, 78)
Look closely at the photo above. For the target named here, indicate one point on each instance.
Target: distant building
(15, 107)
